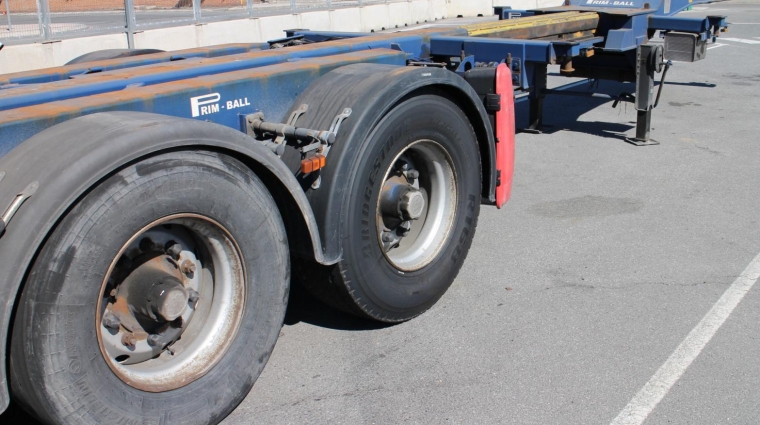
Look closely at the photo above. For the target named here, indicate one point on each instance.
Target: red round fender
(505, 135)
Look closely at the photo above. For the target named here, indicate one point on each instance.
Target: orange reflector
(313, 164)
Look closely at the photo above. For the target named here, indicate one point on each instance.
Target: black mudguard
(371, 91)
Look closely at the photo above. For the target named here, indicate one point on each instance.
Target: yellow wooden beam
(531, 27)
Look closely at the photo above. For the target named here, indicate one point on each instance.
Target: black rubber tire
(111, 54)
(57, 371)
(364, 282)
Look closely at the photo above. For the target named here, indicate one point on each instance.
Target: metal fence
(27, 21)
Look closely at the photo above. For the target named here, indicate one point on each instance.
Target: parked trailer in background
(155, 205)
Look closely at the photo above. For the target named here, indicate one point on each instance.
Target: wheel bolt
(387, 237)
(193, 297)
(412, 175)
(128, 340)
(405, 228)
(188, 267)
(110, 321)
(154, 340)
(173, 249)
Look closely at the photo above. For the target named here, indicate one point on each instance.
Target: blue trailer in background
(155, 204)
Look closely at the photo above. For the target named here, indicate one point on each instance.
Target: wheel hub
(401, 201)
(416, 206)
(156, 290)
(154, 302)
(412, 204)
(168, 299)
(171, 303)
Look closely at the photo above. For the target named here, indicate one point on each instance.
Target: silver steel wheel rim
(414, 239)
(152, 353)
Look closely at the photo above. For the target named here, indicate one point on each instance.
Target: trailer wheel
(157, 299)
(411, 207)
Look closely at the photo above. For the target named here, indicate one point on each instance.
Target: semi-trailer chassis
(153, 205)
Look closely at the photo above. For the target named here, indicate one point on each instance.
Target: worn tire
(57, 370)
(111, 54)
(365, 282)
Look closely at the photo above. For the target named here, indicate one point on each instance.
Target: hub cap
(171, 302)
(417, 205)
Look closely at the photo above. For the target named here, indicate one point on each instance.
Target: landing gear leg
(536, 99)
(648, 61)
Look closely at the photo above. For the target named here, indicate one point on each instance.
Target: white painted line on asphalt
(716, 45)
(744, 23)
(650, 395)
(740, 40)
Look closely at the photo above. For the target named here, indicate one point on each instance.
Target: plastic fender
(96, 145)
(505, 135)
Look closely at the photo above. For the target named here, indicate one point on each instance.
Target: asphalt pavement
(582, 290)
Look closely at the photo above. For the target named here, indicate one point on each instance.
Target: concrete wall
(527, 4)
(360, 19)
(485, 7)
(456, 8)
(42, 55)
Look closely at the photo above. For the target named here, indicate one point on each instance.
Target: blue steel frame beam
(623, 32)
(224, 97)
(666, 23)
(413, 42)
(497, 49)
(525, 52)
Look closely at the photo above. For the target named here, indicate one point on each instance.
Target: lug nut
(173, 249)
(154, 340)
(188, 267)
(110, 321)
(193, 297)
(412, 175)
(128, 340)
(405, 228)
(387, 237)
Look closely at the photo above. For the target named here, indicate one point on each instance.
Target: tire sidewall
(393, 294)
(56, 331)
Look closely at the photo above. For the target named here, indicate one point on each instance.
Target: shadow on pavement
(691, 84)
(563, 113)
(303, 307)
